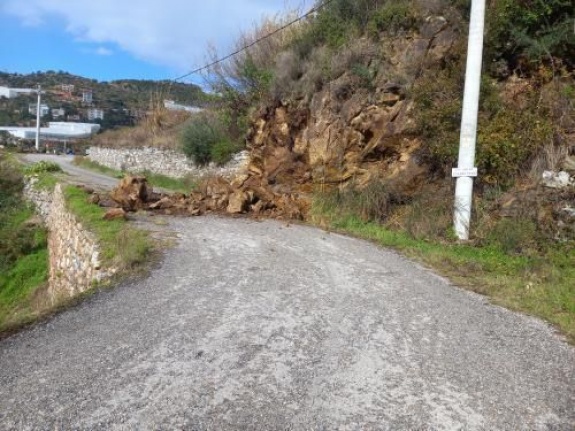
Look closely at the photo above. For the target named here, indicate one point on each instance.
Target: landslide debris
(245, 194)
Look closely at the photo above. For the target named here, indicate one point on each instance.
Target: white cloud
(104, 51)
(172, 33)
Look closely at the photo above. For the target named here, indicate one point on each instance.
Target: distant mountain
(120, 101)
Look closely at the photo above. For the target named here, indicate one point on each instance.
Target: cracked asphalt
(250, 325)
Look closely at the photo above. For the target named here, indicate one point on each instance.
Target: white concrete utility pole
(466, 169)
(38, 118)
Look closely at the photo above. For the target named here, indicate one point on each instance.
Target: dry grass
(160, 129)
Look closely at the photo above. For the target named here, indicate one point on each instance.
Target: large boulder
(131, 193)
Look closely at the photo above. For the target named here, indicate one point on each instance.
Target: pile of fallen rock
(243, 195)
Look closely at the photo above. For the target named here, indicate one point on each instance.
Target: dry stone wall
(165, 162)
(74, 251)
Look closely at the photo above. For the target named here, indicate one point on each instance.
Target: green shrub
(222, 151)
(513, 236)
(198, 138)
(42, 167)
(206, 139)
(393, 17)
(534, 29)
(508, 137)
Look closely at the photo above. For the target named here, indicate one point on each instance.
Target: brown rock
(131, 193)
(389, 99)
(216, 186)
(34, 221)
(115, 213)
(239, 181)
(164, 203)
(257, 207)
(94, 199)
(238, 202)
(569, 164)
(154, 196)
(88, 190)
(106, 202)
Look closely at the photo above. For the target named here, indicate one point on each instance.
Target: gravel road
(251, 325)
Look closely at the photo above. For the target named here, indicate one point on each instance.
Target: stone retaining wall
(74, 251)
(165, 162)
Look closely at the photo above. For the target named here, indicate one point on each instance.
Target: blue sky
(116, 39)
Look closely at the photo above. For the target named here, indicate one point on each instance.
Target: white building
(58, 112)
(95, 114)
(55, 131)
(87, 96)
(11, 93)
(44, 109)
(173, 106)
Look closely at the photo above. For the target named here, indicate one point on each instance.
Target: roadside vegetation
(24, 294)
(23, 248)
(122, 246)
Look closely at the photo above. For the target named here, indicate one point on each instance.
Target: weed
(42, 167)
(182, 185)
(371, 202)
(393, 17)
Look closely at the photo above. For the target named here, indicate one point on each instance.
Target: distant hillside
(121, 101)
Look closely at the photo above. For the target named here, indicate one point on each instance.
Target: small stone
(557, 180)
(94, 198)
(115, 213)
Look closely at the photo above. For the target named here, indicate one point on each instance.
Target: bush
(205, 140)
(197, 139)
(393, 17)
(514, 236)
(537, 30)
(222, 151)
(509, 134)
(42, 168)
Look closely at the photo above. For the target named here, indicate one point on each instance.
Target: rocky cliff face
(351, 129)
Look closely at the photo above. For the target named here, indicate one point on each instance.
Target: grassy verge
(540, 284)
(23, 249)
(181, 185)
(24, 264)
(26, 275)
(122, 246)
(86, 163)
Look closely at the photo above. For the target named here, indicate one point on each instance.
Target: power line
(261, 39)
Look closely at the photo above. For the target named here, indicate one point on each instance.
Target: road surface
(77, 174)
(251, 325)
